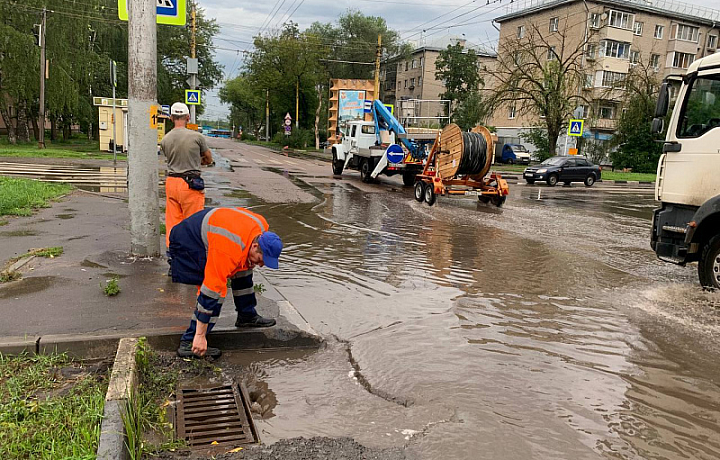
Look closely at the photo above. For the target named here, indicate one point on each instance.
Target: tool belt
(193, 179)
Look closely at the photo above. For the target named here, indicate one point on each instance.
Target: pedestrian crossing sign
(170, 12)
(192, 96)
(576, 128)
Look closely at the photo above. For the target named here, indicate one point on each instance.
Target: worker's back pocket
(188, 267)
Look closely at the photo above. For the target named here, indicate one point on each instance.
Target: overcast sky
(241, 20)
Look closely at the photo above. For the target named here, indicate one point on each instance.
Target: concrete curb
(20, 264)
(122, 386)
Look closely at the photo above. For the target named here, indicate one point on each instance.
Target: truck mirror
(657, 125)
(663, 102)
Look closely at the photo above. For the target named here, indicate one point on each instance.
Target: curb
(20, 264)
(122, 385)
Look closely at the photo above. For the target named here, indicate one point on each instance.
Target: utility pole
(43, 70)
(378, 52)
(297, 103)
(193, 30)
(267, 115)
(113, 77)
(142, 144)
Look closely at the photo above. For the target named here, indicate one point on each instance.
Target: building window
(620, 19)
(412, 83)
(419, 81)
(551, 55)
(613, 79)
(659, 30)
(405, 83)
(414, 64)
(406, 65)
(400, 66)
(637, 28)
(682, 60)
(422, 61)
(521, 32)
(712, 41)
(554, 24)
(588, 80)
(584, 111)
(686, 33)
(607, 112)
(611, 48)
(655, 61)
(591, 51)
(634, 57)
(511, 112)
(595, 20)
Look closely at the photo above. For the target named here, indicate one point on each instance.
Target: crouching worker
(206, 250)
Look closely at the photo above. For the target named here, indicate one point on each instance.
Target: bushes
(247, 137)
(298, 139)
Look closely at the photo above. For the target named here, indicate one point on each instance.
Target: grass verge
(46, 415)
(72, 148)
(618, 175)
(18, 197)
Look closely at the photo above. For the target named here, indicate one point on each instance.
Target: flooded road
(545, 329)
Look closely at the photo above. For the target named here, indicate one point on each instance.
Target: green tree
(472, 111)
(247, 104)
(539, 138)
(457, 67)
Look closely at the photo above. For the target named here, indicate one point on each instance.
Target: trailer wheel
(709, 264)
(419, 190)
(498, 200)
(337, 165)
(408, 179)
(366, 170)
(484, 199)
(430, 196)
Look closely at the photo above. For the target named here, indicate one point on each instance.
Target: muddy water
(546, 329)
(104, 179)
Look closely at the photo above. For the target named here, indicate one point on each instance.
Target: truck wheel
(709, 264)
(366, 169)
(419, 190)
(430, 196)
(408, 179)
(337, 165)
(498, 200)
(589, 180)
(552, 180)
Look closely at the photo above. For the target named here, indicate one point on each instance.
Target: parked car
(564, 169)
(515, 153)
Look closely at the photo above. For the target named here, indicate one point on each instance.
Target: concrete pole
(193, 31)
(297, 103)
(113, 77)
(142, 148)
(378, 53)
(43, 71)
(267, 115)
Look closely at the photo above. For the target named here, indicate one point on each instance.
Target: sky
(241, 20)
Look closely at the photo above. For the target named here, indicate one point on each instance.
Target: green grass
(618, 175)
(61, 425)
(72, 148)
(18, 197)
(112, 287)
(6, 276)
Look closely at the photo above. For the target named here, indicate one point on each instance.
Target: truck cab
(686, 227)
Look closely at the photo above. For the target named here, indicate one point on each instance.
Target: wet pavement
(544, 329)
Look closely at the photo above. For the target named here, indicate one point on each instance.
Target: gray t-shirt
(183, 149)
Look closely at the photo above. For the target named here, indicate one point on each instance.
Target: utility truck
(686, 227)
(371, 148)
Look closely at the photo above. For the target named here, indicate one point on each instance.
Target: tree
(541, 74)
(637, 146)
(457, 67)
(246, 102)
(472, 111)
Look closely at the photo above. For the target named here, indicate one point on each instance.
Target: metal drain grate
(217, 415)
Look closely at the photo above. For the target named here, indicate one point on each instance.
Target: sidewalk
(60, 300)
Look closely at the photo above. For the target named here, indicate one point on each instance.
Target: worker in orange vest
(207, 249)
(185, 150)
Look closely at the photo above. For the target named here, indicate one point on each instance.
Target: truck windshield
(701, 111)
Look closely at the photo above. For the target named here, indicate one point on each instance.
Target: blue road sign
(165, 110)
(367, 108)
(575, 128)
(192, 96)
(168, 11)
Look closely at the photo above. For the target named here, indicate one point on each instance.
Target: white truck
(686, 227)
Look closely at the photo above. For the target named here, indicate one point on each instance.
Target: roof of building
(671, 8)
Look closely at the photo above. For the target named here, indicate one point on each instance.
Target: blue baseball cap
(271, 247)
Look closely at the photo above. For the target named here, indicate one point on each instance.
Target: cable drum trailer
(458, 164)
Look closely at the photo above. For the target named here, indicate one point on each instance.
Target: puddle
(103, 179)
(27, 286)
(238, 194)
(90, 264)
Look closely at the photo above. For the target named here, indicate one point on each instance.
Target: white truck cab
(686, 227)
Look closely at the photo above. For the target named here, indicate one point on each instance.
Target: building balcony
(605, 124)
(684, 46)
(615, 33)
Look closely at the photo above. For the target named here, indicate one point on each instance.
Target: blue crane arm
(385, 121)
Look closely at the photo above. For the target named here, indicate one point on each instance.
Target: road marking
(275, 162)
(258, 162)
(242, 160)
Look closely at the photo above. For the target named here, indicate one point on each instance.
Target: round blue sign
(395, 153)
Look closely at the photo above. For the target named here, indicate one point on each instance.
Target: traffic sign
(288, 120)
(192, 96)
(367, 108)
(170, 12)
(154, 116)
(165, 110)
(575, 128)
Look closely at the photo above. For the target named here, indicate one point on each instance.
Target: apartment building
(663, 36)
(405, 81)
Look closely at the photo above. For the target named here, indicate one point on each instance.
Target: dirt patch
(23, 232)
(65, 216)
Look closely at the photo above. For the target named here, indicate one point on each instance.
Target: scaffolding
(423, 113)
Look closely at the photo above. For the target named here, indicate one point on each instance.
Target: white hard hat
(180, 109)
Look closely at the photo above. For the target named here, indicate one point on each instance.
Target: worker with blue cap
(206, 250)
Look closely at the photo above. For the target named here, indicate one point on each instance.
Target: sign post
(288, 124)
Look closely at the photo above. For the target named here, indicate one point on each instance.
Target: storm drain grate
(215, 416)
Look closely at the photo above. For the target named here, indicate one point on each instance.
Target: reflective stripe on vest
(245, 213)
